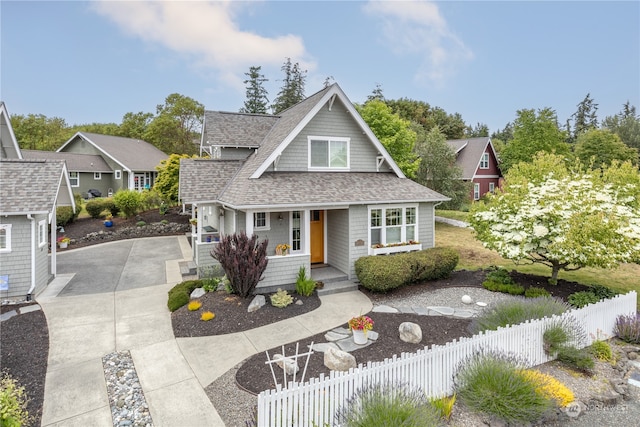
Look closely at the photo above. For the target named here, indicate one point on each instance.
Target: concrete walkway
(120, 314)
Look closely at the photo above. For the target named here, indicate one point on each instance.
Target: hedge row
(382, 273)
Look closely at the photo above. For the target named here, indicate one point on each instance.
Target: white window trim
(118, 174)
(97, 175)
(267, 221)
(484, 164)
(7, 235)
(42, 233)
(301, 249)
(476, 191)
(77, 175)
(328, 139)
(492, 187)
(403, 235)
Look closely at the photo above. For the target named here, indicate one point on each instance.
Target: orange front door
(317, 236)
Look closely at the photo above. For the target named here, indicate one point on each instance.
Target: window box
(385, 250)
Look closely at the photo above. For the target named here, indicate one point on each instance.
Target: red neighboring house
(479, 163)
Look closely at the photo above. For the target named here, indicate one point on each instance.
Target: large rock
(410, 332)
(197, 293)
(338, 360)
(258, 301)
(289, 365)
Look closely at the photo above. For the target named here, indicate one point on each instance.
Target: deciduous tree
(533, 132)
(394, 133)
(166, 184)
(177, 125)
(438, 169)
(257, 100)
(39, 132)
(600, 147)
(563, 216)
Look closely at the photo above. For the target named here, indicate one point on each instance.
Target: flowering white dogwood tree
(563, 216)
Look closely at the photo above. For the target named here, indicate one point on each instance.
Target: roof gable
(132, 154)
(30, 186)
(293, 121)
(9, 148)
(469, 153)
(225, 129)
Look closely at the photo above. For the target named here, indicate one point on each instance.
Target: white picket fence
(431, 369)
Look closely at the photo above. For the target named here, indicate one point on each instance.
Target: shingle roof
(135, 154)
(29, 186)
(325, 188)
(236, 129)
(469, 153)
(75, 162)
(204, 179)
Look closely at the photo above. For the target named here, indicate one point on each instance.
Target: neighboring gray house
(314, 177)
(30, 191)
(126, 163)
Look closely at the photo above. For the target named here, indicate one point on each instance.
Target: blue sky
(95, 61)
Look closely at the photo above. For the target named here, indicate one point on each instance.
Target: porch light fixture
(280, 217)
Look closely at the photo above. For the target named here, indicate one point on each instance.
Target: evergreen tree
(585, 118)
(376, 94)
(626, 125)
(479, 130)
(292, 90)
(256, 93)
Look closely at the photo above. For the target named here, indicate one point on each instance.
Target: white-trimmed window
(393, 224)
(484, 162)
(328, 153)
(118, 174)
(5, 237)
(74, 179)
(492, 187)
(476, 191)
(261, 221)
(97, 175)
(42, 233)
(296, 231)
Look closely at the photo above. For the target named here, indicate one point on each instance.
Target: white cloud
(418, 28)
(207, 31)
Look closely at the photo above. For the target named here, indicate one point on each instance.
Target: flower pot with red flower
(359, 326)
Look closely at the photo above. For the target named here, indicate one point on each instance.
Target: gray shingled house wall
(337, 241)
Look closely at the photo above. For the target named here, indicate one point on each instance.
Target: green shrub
(601, 350)
(563, 332)
(516, 311)
(627, 328)
(110, 205)
(180, 293)
(64, 215)
(493, 384)
(383, 273)
(128, 201)
(281, 299)
(94, 208)
(499, 275)
(150, 199)
(13, 403)
(387, 405)
(583, 298)
(603, 292)
(211, 277)
(431, 264)
(499, 280)
(141, 224)
(575, 358)
(304, 285)
(535, 292)
(77, 197)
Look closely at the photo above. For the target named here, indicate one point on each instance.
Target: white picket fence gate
(316, 401)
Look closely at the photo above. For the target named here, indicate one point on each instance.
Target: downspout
(33, 256)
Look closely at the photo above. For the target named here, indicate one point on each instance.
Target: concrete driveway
(117, 266)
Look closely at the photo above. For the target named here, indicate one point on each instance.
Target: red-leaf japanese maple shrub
(244, 260)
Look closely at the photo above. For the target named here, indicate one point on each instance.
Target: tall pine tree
(292, 90)
(256, 93)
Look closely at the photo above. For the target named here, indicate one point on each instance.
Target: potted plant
(63, 242)
(282, 249)
(193, 221)
(108, 221)
(359, 326)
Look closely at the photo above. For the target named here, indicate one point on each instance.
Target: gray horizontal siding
(17, 263)
(282, 272)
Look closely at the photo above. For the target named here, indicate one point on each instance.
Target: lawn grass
(457, 215)
(474, 256)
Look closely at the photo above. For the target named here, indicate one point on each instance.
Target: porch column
(249, 223)
(306, 237)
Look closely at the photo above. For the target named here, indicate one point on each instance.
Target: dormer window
(328, 153)
(484, 162)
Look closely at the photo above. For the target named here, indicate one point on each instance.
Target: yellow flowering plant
(362, 323)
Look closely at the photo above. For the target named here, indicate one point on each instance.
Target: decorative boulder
(258, 301)
(197, 293)
(466, 299)
(289, 365)
(338, 360)
(410, 332)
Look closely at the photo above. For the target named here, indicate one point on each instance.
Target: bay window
(394, 224)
